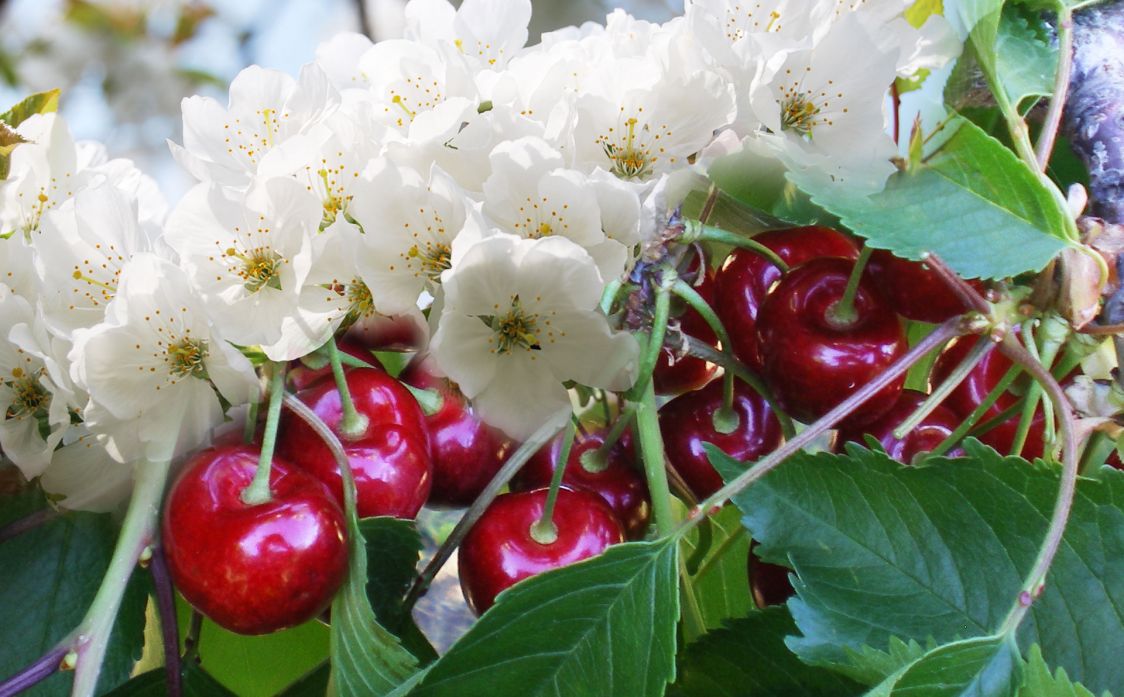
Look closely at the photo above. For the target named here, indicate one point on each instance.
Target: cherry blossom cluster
(485, 190)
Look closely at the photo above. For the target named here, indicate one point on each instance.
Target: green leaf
(940, 551)
(729, 214)
(41, 103)
(980, 667)
(312, 684)
(1039, 682)
(721, 585)
(367, 660)
(971, 198)
(748, 658)
(196, 683)
(604, 626)
(1026, 60)
(757, 182)
(48, 578)
(396, 544)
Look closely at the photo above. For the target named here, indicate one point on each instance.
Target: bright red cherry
(913, 289)
(499, 551)
(982, 380)
(746, 278)
(253, 569)
(928, 434)
(620, 483)
(300, 376)
(390, 459)
(768, 582)
(466, 452)
(688, 373)
(813, 362)
(687, 423)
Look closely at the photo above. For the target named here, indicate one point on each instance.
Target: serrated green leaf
(48, 578)
(1025, 60)
(41, 103)
(940, 551)
(721, 584)
(1039, 682)
(605, 626)
(196, 683)
(979, 667)
(748, 658)
(971, 198)
(870, 666)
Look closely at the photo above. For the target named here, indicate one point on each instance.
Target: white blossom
(487, 33)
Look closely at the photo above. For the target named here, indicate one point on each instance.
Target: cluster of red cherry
(258, 568)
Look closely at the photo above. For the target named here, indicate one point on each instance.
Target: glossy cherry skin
(746, 277)
(390, 459)
(983, 378)
(301, 376)
(928, 434)
(688, 373)
(768, 582)
(499, 551)
(812, 364)
(913, 289)
(466, 452)
(621, 484)
(253, 569)
(687, 423)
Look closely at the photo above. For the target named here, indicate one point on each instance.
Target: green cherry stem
(700, 349)
(352, 424)
(842, 313)
(699, 232)
(651, 447)
(249, 429)
(725, 419)
(1036, 578)
(543, 530)
(258, 490)
(977, 413)
(598, 460)
(651, 350)
(429, 400)
(1097, 450)
(1050, 124)
(942, 391)
(609, 296)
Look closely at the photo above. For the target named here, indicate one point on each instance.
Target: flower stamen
(186, 358)
(516, 329)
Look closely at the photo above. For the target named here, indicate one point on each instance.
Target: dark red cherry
(913, 289)
(972, 391)
(746, 278)
(466, 452)
(499, 551)
(674, 374)
(768, 582)
(620, 483)
(253, 569)
(393, 333)
(811, 362)
(928, 434)
(687, 422)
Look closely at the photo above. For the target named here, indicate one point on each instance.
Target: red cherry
(621, 484)
(687, 423)
(390, 459)
(982, 380)
(746, 277)
(813, 364)
(768, 582)
(393, 333)
(688, 373)
(499, 550)
(928, 434)
(300, 376)
(913, 289)
(466, 452)
(253, 569)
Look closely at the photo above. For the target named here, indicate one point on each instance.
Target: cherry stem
(703, 350)
(523, 453)
(655, 463)
(977, 413)
(942, 391)
(1052, 343)
(725, 419)
(543, 530)
(1046, 137)
(949, 329)
(352, 423)
(966, 293)
(1036, 578)
(191, 639)
(1097, 450)
(44, 667)
(430, 401)
(169, 623)
(250, 428)
(842, 312)
(28, 522)
(897, 100)
(257, 492)
(705, 233)
(711, 201)
(90, 638)
(651, 353)
(609, 295)
(594, 461)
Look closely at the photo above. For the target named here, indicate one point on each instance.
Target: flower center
(516, 329)
(186, 358)
(30, 399)
(260, 268)
(335, 197)
(798, 114)
(434, 257)
(360, 302)
(630, 159)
